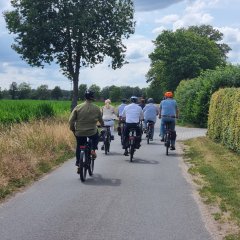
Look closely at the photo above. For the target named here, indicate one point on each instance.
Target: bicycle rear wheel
(106, 146)
(83, 166)
(167, 143)
(91, 167)
(131, 152)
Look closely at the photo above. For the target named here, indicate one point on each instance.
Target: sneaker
(172, 148)
(112, 137)
(126, 152)
(102, 147)
(162, 140)
(94, 155)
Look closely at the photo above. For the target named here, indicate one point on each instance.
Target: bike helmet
(150, 100)
(134, 99)
(89, 95)
(168, 94)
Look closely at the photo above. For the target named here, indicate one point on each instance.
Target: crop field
(17, 111)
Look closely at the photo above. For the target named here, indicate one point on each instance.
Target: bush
(224, 118)
(193, 96)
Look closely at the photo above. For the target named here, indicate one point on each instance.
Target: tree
(182, 54)
(56, 93)
(24, 90)
(13, 90)
(1, 95)
(81, 91)
(97, 90)
(73, 33)
(42, 92)
(105, 93)
(214, 35)
(115, 93)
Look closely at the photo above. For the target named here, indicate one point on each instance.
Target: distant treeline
(115, 93)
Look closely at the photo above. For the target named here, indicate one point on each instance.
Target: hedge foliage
(193, 96)
(224, 118)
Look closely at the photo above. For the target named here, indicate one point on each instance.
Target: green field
(17, 111)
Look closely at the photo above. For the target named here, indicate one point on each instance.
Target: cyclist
(133, 114)
(83, 122)
(142, 103)
(150, 112)
(119, 114)
(168, 113)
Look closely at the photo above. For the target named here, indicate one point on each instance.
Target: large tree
(183, 54)
(24, 90)
(73, 34)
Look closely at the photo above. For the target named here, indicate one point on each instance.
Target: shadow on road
(98, 180)
(143, 161)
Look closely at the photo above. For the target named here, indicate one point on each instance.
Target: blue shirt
(120, 109)
(168, 107)
(150, 112)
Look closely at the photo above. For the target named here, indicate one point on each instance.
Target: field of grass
(17, 111)
(219, 171)
(29, 150)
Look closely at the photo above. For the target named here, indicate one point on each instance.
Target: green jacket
(84, 118)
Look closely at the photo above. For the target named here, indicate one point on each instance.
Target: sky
(152, 17)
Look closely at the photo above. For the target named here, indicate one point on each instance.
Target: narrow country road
(148, 199)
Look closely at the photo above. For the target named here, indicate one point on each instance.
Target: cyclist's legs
(80, 142)
(171, 122)
(95, 139)
(126, 135)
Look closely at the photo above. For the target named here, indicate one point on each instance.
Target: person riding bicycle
(83, 122)
(119, 114)
(133, 114)
(168, 113)
(108, 115)
(150, 112)
(142, 103)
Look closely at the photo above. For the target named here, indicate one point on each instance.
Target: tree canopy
(73, 34)
(183, 54)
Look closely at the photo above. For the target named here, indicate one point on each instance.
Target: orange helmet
(168, 94)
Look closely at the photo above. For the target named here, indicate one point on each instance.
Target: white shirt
(133, 113)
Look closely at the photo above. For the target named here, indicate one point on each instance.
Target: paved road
(148, 199)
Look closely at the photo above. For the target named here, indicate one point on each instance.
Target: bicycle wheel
(167, 143)
(148, 138)
(83, 166)
(106, 146)
(131, 152)
(90, 166)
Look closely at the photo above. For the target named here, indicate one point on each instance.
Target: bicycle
(167, 137)
(132, 142)
(86, 162)
(106, 139)
(149, 131)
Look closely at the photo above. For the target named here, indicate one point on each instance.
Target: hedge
(224, 118)
(193, 96)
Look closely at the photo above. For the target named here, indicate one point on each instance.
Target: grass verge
(217, 170)
(29, 150)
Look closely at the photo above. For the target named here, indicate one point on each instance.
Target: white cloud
(168, 19)
(158, 30)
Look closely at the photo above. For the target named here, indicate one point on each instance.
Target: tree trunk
(75, 91)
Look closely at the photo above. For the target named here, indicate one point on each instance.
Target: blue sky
(152, 16)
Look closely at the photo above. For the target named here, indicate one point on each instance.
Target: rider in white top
(133, 114)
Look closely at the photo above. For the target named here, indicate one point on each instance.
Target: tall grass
(16, 111)
(30, 149)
